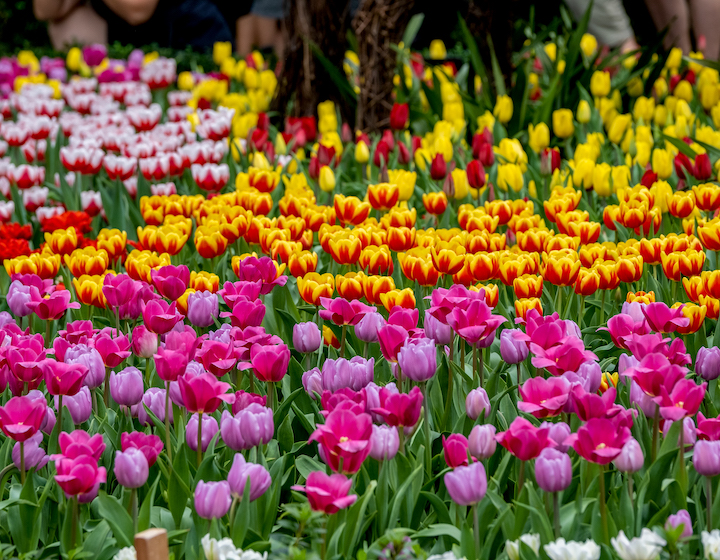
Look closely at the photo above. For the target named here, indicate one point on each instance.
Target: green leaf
(440, 530)
(338, 78)
(497, 73)
(681, 146)
(355, 517)
(399, 497)
(305, 465)
(179, 487)
(117, 517)
(412, 29)
(242, 518)
(146, 508)
(477, 63)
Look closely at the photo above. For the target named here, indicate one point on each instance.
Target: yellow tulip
(583, 112)
(563, 126)
(601, 179)
(509, 175)
(662, 163)
(588, 44)
(362, 153)
(503, 110)
(539, 137)
(438, 50)
(600, 83)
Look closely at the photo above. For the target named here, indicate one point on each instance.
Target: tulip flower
(52, 307)
(599, 440)
(306, 337)
(270, 362)
(385, 443)
(243, 473)
(467, 484)
(455, 448)
(566, 356)
(30, 453)
(677, 520)
(79, 405)
(149, 445)
(21, 417)
(159, 316)
(212, 499)
(418, 359)
(344, 440)
(399, 409)
(589, 405)
(202, 308)
(327, 494)
(126, 386)
(664, 319)
(524, 440)
(199, 437)
(391, 339)
(477, 402)
(544, 397)
(707, 363)
(345, 399)
(144, 342)
(244, 399)
(204, 393)
(248, 427)
(245, 313)
(482, 442)
(131, 468)
(118, 289)
(217, 357)
(80, 475)
(354, 374)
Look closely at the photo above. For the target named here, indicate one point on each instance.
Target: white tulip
(645, 547)
(572, 550)
(711, 544)
(512, 548)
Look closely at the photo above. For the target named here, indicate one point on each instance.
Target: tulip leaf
(440, 530)
(282, 410)
(242, 518)
(179, 486)
(305, 465)
(682, 147)
(355, 517)
(399, 497)
(477, 63)
(117, 517)
(146, 507)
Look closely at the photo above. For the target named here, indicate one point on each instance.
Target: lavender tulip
(306, 337)
(202, 308)
(209, 429)
(440, 332)
(250, 427)
(126, 386)
(385, 442)
(79, 405)
(476, 402)
(631, 457)
(367, 329)
(35, 456)
(706, 458)
(707, 363)
(355, 373)
(467, 485)
(91, 359)
(553, 470)
(241, 473)
(512, 350)
(212, 499)
(418, 359)
(131, 468)
(482, 443)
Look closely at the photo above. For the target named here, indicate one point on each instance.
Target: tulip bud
(144, 343)
(707, 363)
(306, 337)
(512, 350)
(475, 174)
(326, 179)
(418, 359)
(467, 485)
(312, 382)
(682, 517)
(438, 168)
(212, 499)
(631, 457)
(367, 329)
(131, 468)
(706, 458)
(126, 386)
(553, 470)
(482, 443)
(202, 308)
(384, 443)
(362, 153)
(209, 429)
(243, 473)
(476, 402)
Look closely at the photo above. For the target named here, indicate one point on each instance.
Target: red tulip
(438, 168)
(344, 440)
(22, 417)
(475, 174)
(204, 393)
(328, 494)
(524, 440)
(703, 167)
(399, 115)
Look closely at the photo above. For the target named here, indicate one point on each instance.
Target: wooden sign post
(152, 545)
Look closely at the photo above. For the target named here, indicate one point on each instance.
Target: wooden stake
(152, 545)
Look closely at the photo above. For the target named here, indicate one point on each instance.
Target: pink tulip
(183, 338)
(599, 440)
(270, 363)
(25, 359)
(475, 323)
(590, 405)
(681, 400)
(144, 342)
(544, 397)
(708, 428)
(170, 281)
(217, 357)
(467, 485)
(78, 475)
(343, 312)
(444, 301)
(327, 494)
(159, 316)
(405, 318)
(244, 399)
(640, 345)
(345, 399)
(455, 449)
(543, 331)
(150, 445)
(664, 319)
(344, 440)
(170, 364)
(263, 270)
(119, 289)
(239, 291)
(524, 440)
(79, 442)
(621, 326)
(112, 350)
(399, 409)
(568, 355)
(63, 379)
(204, 393)
(52, 307)
(655, 371)
(78, 332)
(391, 339)
(245, 313)
(21, 417)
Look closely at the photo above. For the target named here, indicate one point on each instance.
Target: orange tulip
(481, 221)
(611, 215)
(709, 235)
(398, 298)
(448, 258)
(562, 203)
(345, 251)
(209, 242)
(675, 243)
(293, 225)
(62, 241)
(511, 267)
(401, 238)
(592, 252)
(350, 285)
(492, 293)
(695, 313)
(255, 226)
(650, 250)
(681, 204)
(652, 222)
(478, 241)
(313, 286)
(465, 276)
(139, 263)
(692, 262)
(302, 262)
(629, 268)
(587, 282)
(268, 236)
(559, 241)
(290, 205)
(328, 232)
(204, 281)
(711, 280)
(317, 216)
(501, 209)
(113, 242)
(152, 209)
(607, 274)
(88, 289)
(375, 286)
(587, 232)
(435, 202)
(351, 210)
(633, 213)
(522, 306)
(282, 250)
(560, 268)
(383, 196)
(376, 259)
(528, 286)
(564, 219)
(399, 217)
(694, 287)
(524, 222)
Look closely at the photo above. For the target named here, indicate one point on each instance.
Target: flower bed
(480, 333)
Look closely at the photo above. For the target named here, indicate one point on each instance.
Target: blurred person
(609, 23)
(169, 23)
(262, 27)
(681, 17)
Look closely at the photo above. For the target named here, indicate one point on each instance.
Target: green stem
(48, 332)
(74, 524)
(681, 457)
(401, 438)
(556, 514)
(22, 462)
(342, 342)
(476, 530)
(272, 395)
(602, 307)
(148, 372)
(582, 312)
(558, 300)
(630, 488)
(521, 478)
(134, 508)
(449, 396)
(426, 429)
(199, 442)
(106, 389)
(475, 364)
(709, 499)
(168, 446)
(60, 412)
(603, 513)
(656, 424)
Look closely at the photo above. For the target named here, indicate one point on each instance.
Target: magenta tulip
(204, 393)
(400, 409)
(343, 312)
(524, 440)
(344, 440)
(599, 440)
(544, 397)
(170, 281)
(455, 448)
(21, 417)
(150, 445)
(664, 319)
(270, 363)
(62, 378)
(52, 307)
(159, 316)
(144, 342)
(327, 494)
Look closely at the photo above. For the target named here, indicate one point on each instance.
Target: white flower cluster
(224, 549)
(127, 553)
(445, 556)
(572, 550)
(645, 547)
(711, 544)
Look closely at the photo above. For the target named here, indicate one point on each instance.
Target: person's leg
(674, 15)
(705, 16)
